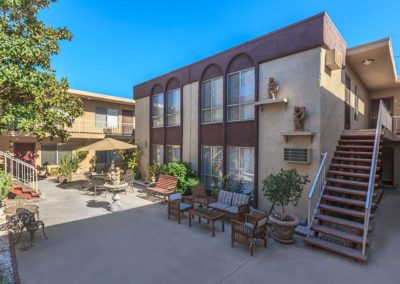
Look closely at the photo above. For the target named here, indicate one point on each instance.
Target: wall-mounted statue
(273, 88)
(299, 112)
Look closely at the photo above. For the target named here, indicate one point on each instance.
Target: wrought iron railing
(384, 119)
(317, 189)
(20, 171)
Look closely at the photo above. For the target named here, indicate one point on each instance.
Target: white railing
(317, 189)
(101, 127)
(20, 171)
(384, 120)
(396, 125)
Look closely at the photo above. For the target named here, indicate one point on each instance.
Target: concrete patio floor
(88, 244)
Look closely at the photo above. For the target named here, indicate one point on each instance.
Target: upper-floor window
(173, 153)
(106, 117)
(212, 100)
(157, 112)
(174, 107)
(241, 95)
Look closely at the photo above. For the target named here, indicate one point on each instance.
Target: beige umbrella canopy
(108, 144)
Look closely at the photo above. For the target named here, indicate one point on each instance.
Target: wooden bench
(165, 186)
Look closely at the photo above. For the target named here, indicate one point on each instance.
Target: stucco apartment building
(216, 113)
(104, 116)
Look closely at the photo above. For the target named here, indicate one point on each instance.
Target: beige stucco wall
(142, 131)
(298, 76)
(190, 124)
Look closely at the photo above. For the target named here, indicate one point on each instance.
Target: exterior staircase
(345, 196)
(339, 225)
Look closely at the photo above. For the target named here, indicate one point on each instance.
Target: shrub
(187, 179)
(284, 188)
(154, 171)
(5, 184)
(70, 164)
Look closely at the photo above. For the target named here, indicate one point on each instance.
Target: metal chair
(98, 185)
(129, 178)
(29, 223)
(89, 180)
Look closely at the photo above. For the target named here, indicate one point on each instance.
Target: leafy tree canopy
(31, 98)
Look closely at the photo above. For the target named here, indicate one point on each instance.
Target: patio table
(115, 188)
(12, 210)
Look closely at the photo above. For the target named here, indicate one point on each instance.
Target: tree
(31, 98)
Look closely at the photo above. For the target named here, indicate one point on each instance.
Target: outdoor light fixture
(368, 61)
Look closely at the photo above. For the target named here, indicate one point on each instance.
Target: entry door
(347, 108)
(25, 152)
(127, 122)
(375, 109)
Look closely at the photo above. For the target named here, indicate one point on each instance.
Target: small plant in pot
(283, 189)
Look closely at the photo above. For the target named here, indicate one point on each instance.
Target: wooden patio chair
(178, 205)
(254, 227)
(29, 223)
(199, 194)
(165, 186)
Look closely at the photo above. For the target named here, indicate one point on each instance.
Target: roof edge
(86, 94)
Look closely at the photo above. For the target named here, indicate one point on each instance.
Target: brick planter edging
(14, 263)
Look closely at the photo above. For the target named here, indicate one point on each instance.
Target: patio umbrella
(108, 144)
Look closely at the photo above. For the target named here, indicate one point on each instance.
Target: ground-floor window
(157, 154)
(241, 167)
(52, 154)
(211, 166)
(173, 153)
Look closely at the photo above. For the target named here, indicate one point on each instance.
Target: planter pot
(283, 231)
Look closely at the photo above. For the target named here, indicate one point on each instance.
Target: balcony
(82, 126)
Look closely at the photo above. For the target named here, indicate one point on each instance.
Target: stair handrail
(317, 187)
(383, 120)
(21, 171)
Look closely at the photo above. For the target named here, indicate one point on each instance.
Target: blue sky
(120, 43)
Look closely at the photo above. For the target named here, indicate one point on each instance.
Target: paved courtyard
(88, 244)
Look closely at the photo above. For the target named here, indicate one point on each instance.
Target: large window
(211, 166)
(173, 107)
(241, 166)
(157, 154)
(241, 95)
(212, 100)
(53, 153)
(173, 153)
(157, 112)
(106, 117)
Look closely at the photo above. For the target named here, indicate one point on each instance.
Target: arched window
(157, 109)
(212, 95)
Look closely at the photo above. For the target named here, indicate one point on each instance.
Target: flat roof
(101, 97)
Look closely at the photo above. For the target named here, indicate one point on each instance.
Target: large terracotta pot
(283, 231)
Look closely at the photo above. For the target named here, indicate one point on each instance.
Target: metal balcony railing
(101, 127)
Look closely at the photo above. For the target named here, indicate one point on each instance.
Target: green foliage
(5, 184)
(154, 171)
(70, 164)
(284, 188)
(54, 171)
(187, 179)
(92, 162)
(31, 98)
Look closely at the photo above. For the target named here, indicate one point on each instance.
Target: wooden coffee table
(209, 217)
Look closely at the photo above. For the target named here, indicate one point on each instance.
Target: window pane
(49, 154)
(217, 115)
(157, 154)
(247, 87)
(206, 95)
(233, 88)
(112, 118)
(173, 153)
(206, 181)
(206, 116)
(247, 111)
(233, 163)
(158, 110)
(217, 93)
(173, 107)
(101, 117)
(217, 162)
(233, 113)
(206, 161)
(63, 150)
(247, 167)
(101, 157)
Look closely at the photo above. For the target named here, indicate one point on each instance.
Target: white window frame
(161, 162)
(174, 147)
(240, 105)
(213, 150)
(160, 115)
(240, 161)
(178, 110)
(212, 108)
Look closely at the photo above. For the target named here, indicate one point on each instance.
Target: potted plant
(154, 172)
(283, 189)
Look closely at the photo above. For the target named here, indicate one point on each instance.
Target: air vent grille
(297, 155)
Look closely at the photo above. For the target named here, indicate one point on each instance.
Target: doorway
(388, 102)
(347, 108)
(25, 152)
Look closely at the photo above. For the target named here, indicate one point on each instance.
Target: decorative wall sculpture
(273, 88)
(299, 112)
